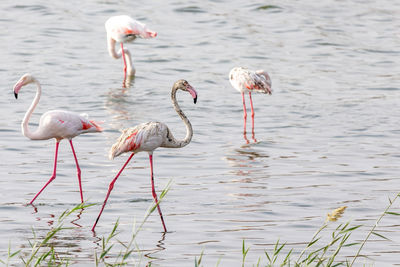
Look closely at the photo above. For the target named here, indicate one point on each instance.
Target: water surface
(327, 137)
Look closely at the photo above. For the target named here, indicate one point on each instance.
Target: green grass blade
(113, 231)
(279, 249)
(105, 252)
(393, 213)
(269, 259)
(381, 236)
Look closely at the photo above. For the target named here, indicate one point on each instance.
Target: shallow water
(327, 137)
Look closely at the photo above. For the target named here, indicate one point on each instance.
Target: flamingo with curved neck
(58, 124)
(124, 29)
(148, 137)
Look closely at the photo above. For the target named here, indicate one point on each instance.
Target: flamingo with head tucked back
(148, 137)
(58, 124)
(124, 29)
(245, 80)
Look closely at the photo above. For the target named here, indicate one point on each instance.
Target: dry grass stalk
(335, 214)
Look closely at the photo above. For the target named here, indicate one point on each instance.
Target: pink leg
(244, 118)
(53, 176)
(153, 191)
(110, 187)
(244, 114)
(252, 118)
(78, 169)
(123, 57)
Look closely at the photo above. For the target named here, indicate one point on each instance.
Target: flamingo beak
(17, 87)
(153, 34)
(148, 34)
(192, 92)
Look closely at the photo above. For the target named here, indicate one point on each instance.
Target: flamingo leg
(78, 170)
(110, 187)
(53, 176)
(244, 118)
(252, 118)
(123, 57)
(153, 191)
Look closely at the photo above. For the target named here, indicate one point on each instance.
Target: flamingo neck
(189, 130)
(114, 54)
(24, 125)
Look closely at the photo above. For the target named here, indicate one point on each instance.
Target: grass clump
(43, 253)
(315, 253)
(123, 257)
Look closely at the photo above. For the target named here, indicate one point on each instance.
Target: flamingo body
(245, 80)
(58, 124)
(248, 81)
(148, 137)
(143, 137)
(61, 124)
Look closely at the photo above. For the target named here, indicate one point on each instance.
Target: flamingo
(245, 80)
(124, 29)
(149, 136)
(58, 124)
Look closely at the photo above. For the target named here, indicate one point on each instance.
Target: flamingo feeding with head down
(149, 136)
(245, 80)
(124, 29)
(58, 124)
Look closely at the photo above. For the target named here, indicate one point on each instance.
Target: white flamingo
(245, 80)
(149, 136)
(58, 124)
(124, 29)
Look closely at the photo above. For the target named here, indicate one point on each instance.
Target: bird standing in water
(149, 136)
(245, 80)
(124, 29)
(58, 124)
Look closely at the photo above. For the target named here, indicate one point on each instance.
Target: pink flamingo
(149, 136)
(58, 124)
(124, 29)
(245, 80)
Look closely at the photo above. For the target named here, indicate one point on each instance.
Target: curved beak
(16, 88)
(147, 33)
(192, 92)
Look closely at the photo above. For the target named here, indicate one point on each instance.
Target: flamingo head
(268, 88)
(24, 80)
(123, 28)
(185, 86)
